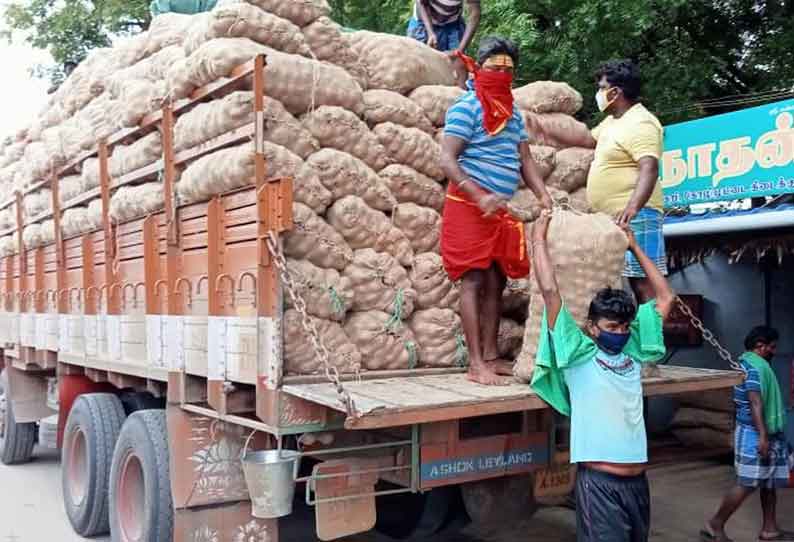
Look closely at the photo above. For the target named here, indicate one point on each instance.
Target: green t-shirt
(567, 346)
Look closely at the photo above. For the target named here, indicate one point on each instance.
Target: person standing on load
(763, 458)
(624, 176)
(593, 375)
(440, 24)
(484, 155)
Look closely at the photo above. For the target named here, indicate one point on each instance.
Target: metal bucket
(269, 475)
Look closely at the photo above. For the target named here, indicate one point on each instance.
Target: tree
(68, 29)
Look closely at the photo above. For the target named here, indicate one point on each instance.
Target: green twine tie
(337, 305)
(396, 317)
(461, 352)
(410, 346)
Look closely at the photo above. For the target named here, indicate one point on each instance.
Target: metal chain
(708, 335)
(331, 372)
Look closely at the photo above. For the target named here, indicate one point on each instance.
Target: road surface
(31, 509)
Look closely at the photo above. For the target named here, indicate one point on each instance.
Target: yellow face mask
(499, 61)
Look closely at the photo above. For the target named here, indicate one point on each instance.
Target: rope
(337, 305)
(461, 351)
(410, 346)
(395, 321)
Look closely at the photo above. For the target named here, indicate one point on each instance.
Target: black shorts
(611, 508)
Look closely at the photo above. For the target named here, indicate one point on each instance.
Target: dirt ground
(683, 495)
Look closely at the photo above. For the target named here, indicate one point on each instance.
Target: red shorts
(471, 241)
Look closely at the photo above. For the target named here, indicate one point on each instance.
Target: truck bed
(391, 402)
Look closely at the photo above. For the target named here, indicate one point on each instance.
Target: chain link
(331, 372)
(708, 335)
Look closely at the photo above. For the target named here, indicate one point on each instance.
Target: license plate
(555, 481)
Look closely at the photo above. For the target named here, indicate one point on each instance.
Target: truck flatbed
(391, 402)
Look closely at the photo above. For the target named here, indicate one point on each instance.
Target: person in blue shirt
(592, 374)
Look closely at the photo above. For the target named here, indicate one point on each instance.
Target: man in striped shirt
(440, 24)
(484, 156)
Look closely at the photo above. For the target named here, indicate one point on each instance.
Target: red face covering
(494, 90)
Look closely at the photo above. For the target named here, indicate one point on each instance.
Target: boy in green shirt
(593, 376)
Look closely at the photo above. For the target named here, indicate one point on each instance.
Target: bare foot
(500, 366)
(713, 534)
(481, 373)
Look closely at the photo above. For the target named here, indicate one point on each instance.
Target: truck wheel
(16, 439)
(499, 500)
(89, 437)
(141, 508)
(421, 516)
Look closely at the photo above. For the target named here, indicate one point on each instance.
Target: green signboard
(744, 154)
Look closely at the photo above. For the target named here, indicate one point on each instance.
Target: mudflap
(345, 499)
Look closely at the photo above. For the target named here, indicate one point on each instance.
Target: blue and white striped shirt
(741, 394)
(492, 161)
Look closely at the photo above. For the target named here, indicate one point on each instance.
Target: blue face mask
(612, 343)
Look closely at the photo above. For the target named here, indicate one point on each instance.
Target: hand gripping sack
(345, 175)
(364, 227)
(385, 344)
(588, 254)
(379, 282)
(342, 130)
(300, 357)
(409, 186)
(526, 207)
(432, 284)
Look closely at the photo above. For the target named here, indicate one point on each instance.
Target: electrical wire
(761, 97)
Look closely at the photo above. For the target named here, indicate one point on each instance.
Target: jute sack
(588, 253)
(232, 168)
(300, 358)
(300, 12)
(79, 220)
(141, 153)
(167, 30)
(432, 284)
(549, 129)
(327, 293)
(412, 147)
(243, 20)
(509, 339)
(346, 175)
(418, 64)
(213, 60)
(578, 200)
(421, 225)
(130, 202)
(439, 338)
(7, 246)
(435, 100)
(8, 217)
(364, 227)
(36, 235)
(340, 129)
(140, 98)
(548, 97)
(719, 400)
(37, 202)
(313, 239)
(515, 298)
(384, 344)
(69, 188)
(90, 174)
(215, 118)
(409, 186)
(697, 417)
(704, 438)
(153, 69)
(573, 165)
(526, 207)
(329, 44)
(545, 159)
(379, 282)
(387, 106)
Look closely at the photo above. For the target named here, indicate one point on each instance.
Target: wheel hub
(78, 468)
(131, 501)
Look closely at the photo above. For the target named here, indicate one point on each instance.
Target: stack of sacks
(357, 132)
(705, 420)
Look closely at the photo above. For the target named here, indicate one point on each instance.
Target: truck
(150, 352)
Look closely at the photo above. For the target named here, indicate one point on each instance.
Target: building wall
(735, 301)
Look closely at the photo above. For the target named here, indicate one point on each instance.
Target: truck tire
(420, 516)
(89, 437)
(16, 439)
(141, 508)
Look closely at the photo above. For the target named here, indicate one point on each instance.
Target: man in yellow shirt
(624, 175)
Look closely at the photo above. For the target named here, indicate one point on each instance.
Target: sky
(21, 94)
